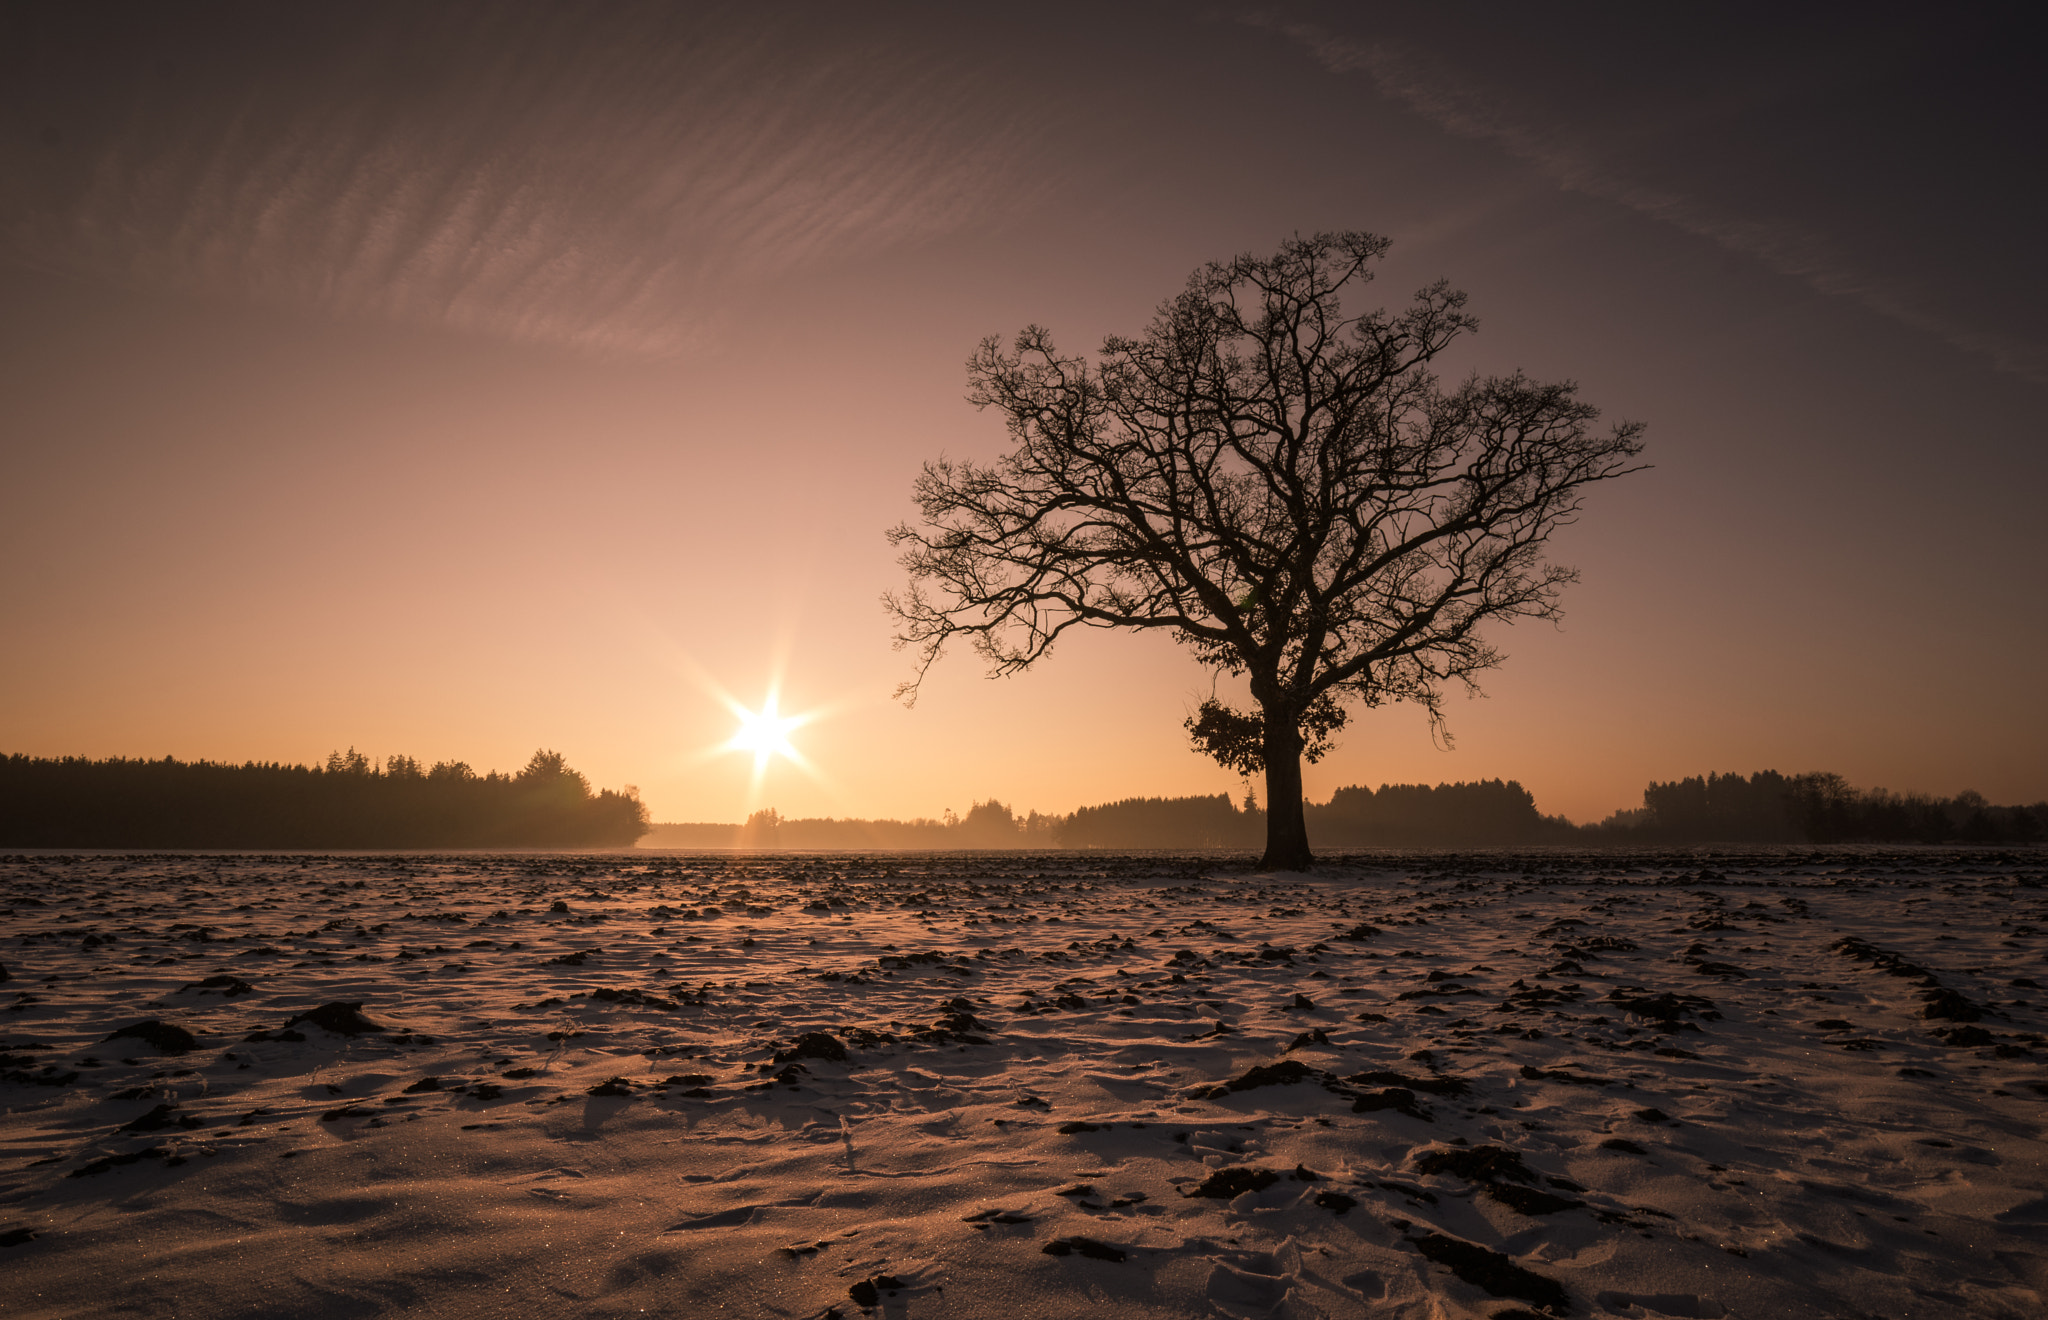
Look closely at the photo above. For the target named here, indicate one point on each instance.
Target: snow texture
(1797, 1083)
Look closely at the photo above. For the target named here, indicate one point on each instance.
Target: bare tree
(1288, 489)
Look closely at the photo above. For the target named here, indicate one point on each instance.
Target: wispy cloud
(1457, 107)
(541, 176)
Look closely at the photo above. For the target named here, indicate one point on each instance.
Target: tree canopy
(1285, 487)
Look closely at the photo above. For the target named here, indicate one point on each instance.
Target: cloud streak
(531, 175)
(1570, 163)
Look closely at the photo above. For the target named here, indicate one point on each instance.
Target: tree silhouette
(1287, 489)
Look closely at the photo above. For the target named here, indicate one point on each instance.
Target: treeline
(1398, 815)
(1769, 807)
(1188, 822)
(1763, 808)
(987, 825)
(1489, 813)
(349, 803)
(346, 803)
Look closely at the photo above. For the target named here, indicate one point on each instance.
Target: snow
(1638, 1084)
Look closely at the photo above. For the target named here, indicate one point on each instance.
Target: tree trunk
(1286, 829)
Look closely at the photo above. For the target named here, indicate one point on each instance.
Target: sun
(765, 732)
(762, 733)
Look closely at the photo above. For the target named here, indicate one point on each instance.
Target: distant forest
(1767, 807)
(347, 803)
(351, 803)
(1398, 815)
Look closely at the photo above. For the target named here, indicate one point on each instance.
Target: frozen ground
(1760, 1084)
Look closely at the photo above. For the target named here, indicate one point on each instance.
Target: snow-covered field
(916, 1085)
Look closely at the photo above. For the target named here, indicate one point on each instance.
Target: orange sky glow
(556, 390)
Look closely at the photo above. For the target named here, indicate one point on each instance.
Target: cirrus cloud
(596, 180)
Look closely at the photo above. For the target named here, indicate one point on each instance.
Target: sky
(456, 380)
